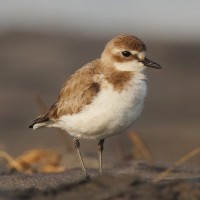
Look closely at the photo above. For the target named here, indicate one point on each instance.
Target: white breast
(110, 113)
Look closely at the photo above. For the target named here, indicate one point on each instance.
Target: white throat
(133, 66)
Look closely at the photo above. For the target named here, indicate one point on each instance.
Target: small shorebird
(104, 97)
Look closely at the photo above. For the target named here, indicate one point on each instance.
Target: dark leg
(100, 150)
(77, 146)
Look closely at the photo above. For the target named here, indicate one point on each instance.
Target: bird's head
(127, 53)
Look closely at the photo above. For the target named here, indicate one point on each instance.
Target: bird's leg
(77, 147)
(100, 150)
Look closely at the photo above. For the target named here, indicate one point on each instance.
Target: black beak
(150, 63)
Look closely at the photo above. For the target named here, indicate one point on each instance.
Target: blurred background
(43, 42)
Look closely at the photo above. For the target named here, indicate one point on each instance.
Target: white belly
(110, 113)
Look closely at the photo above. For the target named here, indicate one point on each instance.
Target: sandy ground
(131, 182)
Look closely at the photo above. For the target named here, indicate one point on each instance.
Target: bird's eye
(126, 53)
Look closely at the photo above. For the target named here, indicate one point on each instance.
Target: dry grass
(140, 149)
(36, 160)
(179, 162)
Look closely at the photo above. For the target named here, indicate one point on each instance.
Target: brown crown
(128, 42)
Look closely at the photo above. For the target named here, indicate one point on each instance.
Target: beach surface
(136, 181)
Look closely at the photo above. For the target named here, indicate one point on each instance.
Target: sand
(131, 182)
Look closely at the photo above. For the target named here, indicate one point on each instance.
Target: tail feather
(39, 122)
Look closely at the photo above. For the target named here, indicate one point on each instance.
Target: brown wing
(77, 92)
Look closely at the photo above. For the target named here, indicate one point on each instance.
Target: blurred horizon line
(50, 31)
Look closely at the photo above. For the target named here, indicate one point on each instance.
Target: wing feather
(76, 92)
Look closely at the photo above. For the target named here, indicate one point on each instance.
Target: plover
(104, 97)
